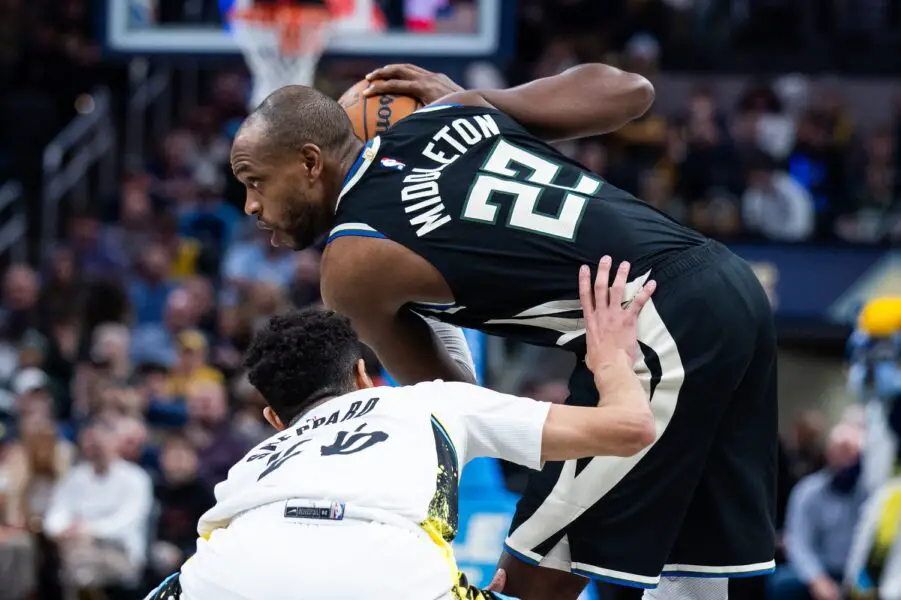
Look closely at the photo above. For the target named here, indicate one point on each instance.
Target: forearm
(618, 384)
(586, 100)
(411, 350)
(621, 425)
(576, 432)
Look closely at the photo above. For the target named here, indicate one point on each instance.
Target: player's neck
(310, 409)
(347, 157)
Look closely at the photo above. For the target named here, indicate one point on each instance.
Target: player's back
(396, 450)
(360, 484)
(372, 448)
(504, 217)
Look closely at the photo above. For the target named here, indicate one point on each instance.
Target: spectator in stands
(191, 366)
(822, 513)
(134, 443)
(132, 215)
(96, 255)
(210, 220)
(248, 418)
(102, 539)
(774, 205)
(34, 464)
(109, 351)
(218, 444)
(184, 252)
(18, 305)
(55, 348)
(182, 498)
(162, 411)
(265, 299)
(256, 260)
(203, 297)
(17, 547)
(806, 446)
(818, 167)
(175, 171)
(151, 286)
(60, 285)
(304, 288)
(212, 148)
(33, 395)
(156, 342)
(874, 208)
(231, 337)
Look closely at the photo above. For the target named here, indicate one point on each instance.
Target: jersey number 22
(525, 176)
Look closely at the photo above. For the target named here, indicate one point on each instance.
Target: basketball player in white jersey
(356, 495)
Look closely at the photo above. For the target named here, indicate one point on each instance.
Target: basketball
(372, 116)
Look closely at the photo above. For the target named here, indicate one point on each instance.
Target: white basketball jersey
(396, 450)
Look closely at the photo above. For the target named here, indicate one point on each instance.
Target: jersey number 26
(525, 176)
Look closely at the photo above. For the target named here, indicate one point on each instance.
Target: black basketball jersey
(507, 220)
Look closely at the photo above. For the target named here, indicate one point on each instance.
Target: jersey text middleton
(421, 194)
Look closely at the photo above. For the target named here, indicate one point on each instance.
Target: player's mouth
(274, 239)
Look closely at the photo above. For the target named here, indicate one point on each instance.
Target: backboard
(460, 29)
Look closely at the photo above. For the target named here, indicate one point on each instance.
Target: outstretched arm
(586, 100)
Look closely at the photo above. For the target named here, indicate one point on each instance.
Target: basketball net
(282, 43)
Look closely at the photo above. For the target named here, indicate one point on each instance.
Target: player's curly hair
(302, 357)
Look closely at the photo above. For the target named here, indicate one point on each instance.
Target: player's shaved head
(292, 154)
(296, 115)
(301, 358)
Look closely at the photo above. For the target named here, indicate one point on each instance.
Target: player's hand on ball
(410, 80)
(611, 324)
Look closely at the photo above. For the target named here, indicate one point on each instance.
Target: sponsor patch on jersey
(393, 164)
(310, 509)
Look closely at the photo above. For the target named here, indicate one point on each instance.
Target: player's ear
(362, 378)
(311, 156)
(273, 419)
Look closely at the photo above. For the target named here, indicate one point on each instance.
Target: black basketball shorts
(700, 501)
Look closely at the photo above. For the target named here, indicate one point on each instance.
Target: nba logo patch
(393, 164)
(314, 509)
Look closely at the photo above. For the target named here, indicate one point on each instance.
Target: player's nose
(251, 206)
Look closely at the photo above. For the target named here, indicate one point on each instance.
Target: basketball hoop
(281, 44)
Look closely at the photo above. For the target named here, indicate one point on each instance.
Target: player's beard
(301, 231)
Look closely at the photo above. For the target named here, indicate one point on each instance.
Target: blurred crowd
(122, 397)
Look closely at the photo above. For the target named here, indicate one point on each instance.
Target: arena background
(131, 281)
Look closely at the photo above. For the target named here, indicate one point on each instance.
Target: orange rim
(299, 28)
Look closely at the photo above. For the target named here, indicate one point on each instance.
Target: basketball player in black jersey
(463, 213)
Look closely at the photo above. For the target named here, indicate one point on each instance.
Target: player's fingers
(498, 581)
(602, 281)
(391, 86)
(585, 295)
(396, 71)
(644, 294)
(619, 284)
